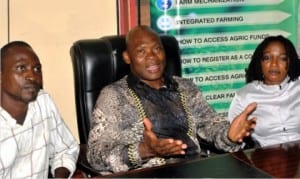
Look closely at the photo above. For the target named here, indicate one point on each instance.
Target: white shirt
(27, 150)
(277, 112)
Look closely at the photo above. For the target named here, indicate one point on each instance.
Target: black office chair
(97, 63)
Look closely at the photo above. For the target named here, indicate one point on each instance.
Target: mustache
(33, 84)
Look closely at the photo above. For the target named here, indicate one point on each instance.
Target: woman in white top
(273, 82)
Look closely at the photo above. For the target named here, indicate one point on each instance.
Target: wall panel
(51, 27)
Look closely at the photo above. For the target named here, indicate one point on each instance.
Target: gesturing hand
(153, 146)
(241, 126)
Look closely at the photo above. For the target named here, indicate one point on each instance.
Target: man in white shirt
(33, 136)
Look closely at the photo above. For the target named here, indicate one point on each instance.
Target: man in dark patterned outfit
(149, 118)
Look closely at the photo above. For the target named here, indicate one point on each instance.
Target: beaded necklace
(142, 114)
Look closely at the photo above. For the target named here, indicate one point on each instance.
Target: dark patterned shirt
(117, 126)
(165, 110)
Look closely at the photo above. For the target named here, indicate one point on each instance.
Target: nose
(30, 75)
(274, 61)
(150, 54)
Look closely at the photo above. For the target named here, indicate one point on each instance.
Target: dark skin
(274, 64)
(21, 80)
(146, 57)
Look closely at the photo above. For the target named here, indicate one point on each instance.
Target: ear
(126, 57)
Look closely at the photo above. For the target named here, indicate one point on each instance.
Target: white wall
(51, 27)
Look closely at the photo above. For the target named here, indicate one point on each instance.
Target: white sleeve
(236, 107)
(65, 148)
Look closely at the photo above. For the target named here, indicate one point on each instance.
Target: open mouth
(153, 68)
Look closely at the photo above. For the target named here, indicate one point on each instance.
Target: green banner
(218, 37)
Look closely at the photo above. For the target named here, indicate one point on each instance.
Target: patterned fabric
(27, 150)
(277, 112)
(166, 108)
(117, 128)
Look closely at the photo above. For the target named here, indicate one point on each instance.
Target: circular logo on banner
(165, 22)
(164, 4)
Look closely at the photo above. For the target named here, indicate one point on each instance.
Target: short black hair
(144, 28)
(9, 45)
(254, 70)
(5, 48)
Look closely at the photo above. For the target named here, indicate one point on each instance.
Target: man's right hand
(153, 146)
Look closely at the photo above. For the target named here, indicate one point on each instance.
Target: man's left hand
(241, 126)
